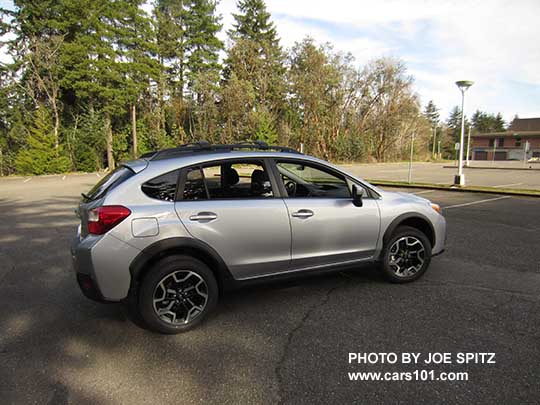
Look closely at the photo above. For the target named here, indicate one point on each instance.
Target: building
(520, 142)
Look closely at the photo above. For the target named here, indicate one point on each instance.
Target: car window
(303, 180)
(228, 180)
(237, 180)
(109, 182)
(194, 187)
(162, 187)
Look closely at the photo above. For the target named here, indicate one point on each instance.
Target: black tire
(389, 271)
(164, 270)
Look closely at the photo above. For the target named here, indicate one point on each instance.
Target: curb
(446, 187)
(493, 168)
(45, 176)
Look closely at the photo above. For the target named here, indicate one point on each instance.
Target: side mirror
(357, 196)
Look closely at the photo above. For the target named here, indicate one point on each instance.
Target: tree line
(94, 82)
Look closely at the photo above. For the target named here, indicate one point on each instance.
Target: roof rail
(204, 146)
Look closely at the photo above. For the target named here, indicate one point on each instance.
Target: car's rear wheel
(406, 255)
(177, 294)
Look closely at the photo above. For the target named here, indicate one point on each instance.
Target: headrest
(259, 176)
(230, 177)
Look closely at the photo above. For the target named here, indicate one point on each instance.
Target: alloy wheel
(180, 297)
(406, 256)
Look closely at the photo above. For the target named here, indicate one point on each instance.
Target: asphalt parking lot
(511, 174)
(285, 343)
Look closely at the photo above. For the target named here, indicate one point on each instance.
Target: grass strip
(448, 187)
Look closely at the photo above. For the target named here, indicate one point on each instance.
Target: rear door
(327, 228)
(233, 206)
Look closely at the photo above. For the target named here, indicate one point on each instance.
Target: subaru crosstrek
(170, 231)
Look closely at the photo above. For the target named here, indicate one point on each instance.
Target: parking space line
(478, 202)
(425, 192)
(511, 184)
(64, 177)
(28, 179)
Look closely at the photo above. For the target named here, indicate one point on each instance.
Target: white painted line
(28, 179)
(63, 177)
(97, 174)
(425, 192)
(506, 185)
(478, 202)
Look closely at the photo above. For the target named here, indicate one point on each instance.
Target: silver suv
(170, 231)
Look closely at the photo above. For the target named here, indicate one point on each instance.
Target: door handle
(303, 214)
(203, 216)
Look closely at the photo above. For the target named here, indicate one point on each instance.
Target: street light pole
(468, 147)
(434, 130)
(463, 85)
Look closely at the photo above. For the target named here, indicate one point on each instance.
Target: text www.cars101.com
(416, 375)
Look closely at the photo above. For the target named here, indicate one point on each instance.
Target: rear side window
(162, 187)
(109, 182)
(228, 180)
(195, 189)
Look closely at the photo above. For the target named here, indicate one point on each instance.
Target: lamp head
(464, 84)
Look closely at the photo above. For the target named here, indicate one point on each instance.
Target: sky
(495, 43)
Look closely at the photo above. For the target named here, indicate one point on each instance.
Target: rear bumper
(81, 259)
(89, 287)
(101, 264)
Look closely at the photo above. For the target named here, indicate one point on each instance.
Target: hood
(399, 195)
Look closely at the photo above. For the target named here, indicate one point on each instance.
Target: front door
(326, 227)
(231, 206)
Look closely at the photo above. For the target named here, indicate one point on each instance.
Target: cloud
(494, 43)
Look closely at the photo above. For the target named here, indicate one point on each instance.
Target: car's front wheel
(406, 255)
(177, 294)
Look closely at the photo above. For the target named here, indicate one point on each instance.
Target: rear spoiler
(136, 165)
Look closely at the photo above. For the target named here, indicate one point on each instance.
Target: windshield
(110, 181)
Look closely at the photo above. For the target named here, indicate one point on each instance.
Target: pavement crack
(290, 336)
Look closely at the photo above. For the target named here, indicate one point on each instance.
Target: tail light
(105, 218)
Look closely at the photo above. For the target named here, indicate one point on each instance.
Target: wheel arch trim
(399, 220)
(179, 245)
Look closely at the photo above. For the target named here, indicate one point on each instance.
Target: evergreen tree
(499, 125)
(92, 69)
(202, 44)
(256, 55)
(42, 156)
(135, 47)
(37, 29)
(253, 23)
(169, 24)
(85, 141)
(238, 101)
(315, 86)
(454, 123)
(257, 58)
(484, 122)
(431, 112)
(202, 48)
